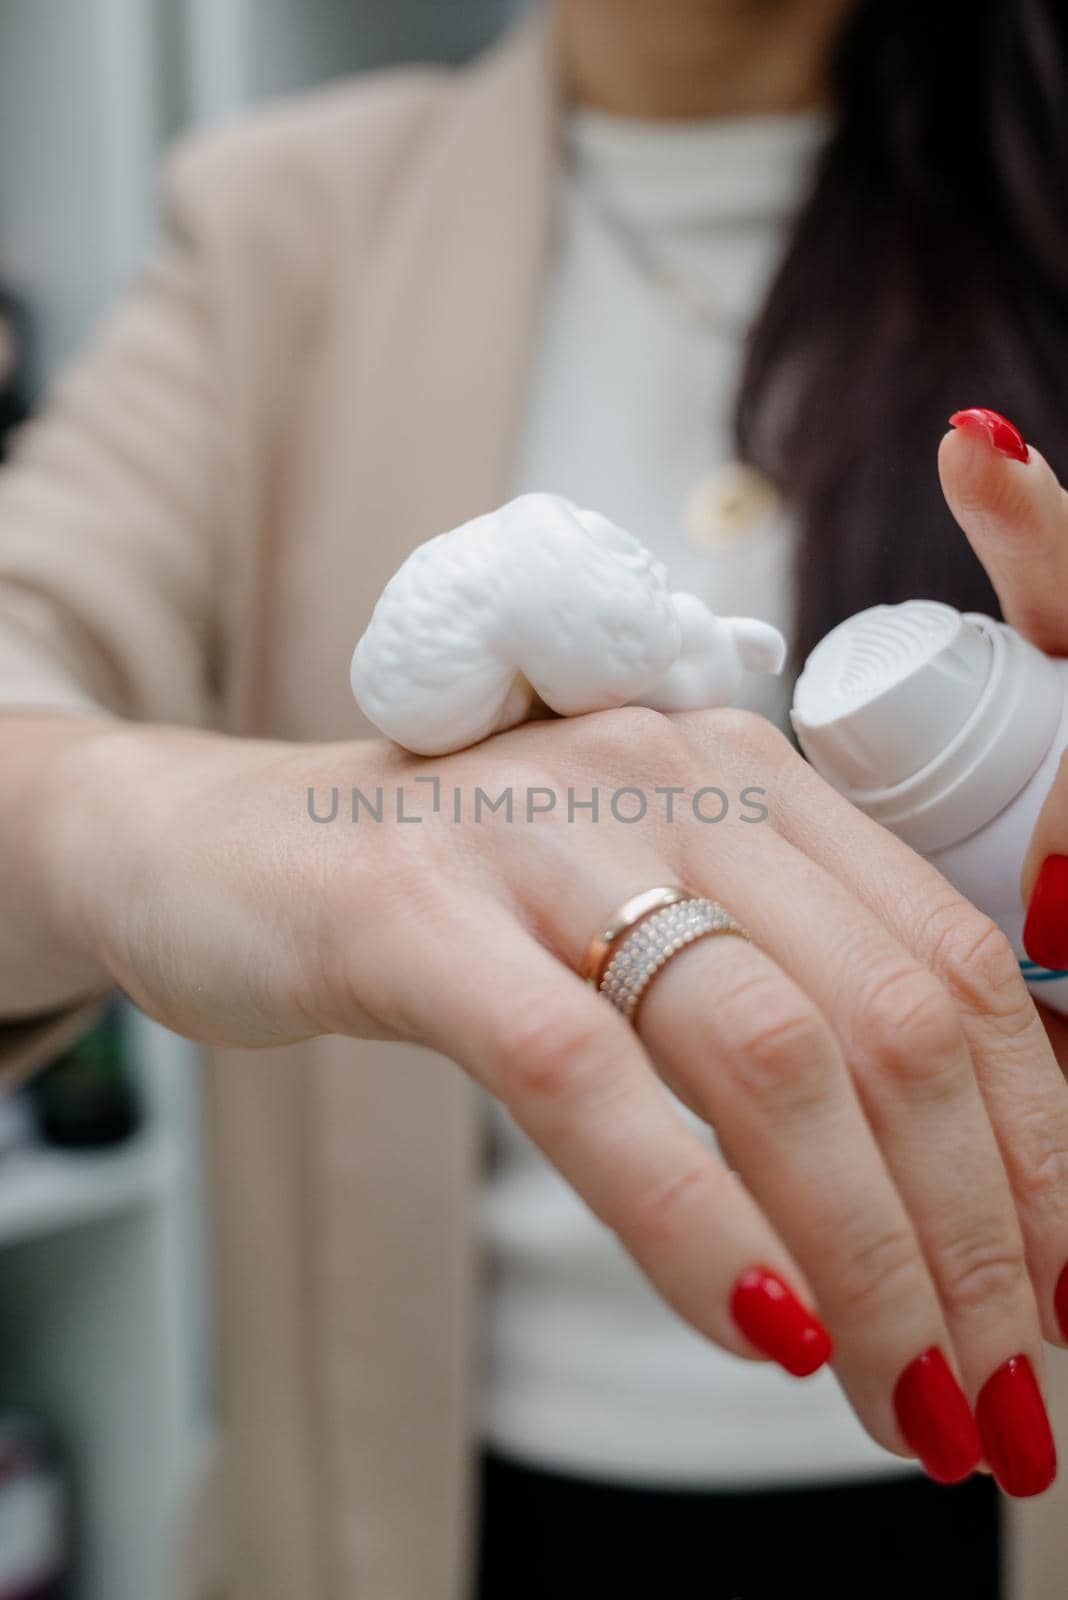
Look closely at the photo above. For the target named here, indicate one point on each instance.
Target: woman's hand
(1008, 501)
(871, 1061)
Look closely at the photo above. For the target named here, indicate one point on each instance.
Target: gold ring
(645, 934)
(629, 914)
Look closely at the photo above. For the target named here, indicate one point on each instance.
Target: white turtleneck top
(629, 408)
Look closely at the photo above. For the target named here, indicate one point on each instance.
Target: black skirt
(548, 1536)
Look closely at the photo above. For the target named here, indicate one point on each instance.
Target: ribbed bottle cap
(927, 719)
(883, 693)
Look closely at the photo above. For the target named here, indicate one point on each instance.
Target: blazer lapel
(428, 365)
(453, 309)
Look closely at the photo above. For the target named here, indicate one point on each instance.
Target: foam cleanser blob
(541, 601)
(947, 728)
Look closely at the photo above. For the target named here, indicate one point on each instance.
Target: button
(732, 506)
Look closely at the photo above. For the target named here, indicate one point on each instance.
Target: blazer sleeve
(109, 510)
(109, 534)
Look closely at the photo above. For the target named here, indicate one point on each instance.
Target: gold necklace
(734, 503)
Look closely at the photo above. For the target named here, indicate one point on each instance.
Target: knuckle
(553, 1056)
(637, 730)
(518, 773)
(1038, 1162)
(664, 1211)
(909, 1024)
(885, 1267)
(746, 732)
(1043, 1178)
(517, 793)
(629, 746)
(982, 1267)
(979, 967)
(779, 1052)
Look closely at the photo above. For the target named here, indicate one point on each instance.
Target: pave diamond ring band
(644, 935)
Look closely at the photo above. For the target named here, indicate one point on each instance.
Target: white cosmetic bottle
(948, 729)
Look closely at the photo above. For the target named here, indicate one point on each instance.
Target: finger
(576, 1079)
(1021, 1084)
(907, 1052)
(1015, 514)
(759, 1061)
(1044, 881)
(812, 1164)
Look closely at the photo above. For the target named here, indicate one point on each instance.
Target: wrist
(69, 839)
(44, 962)
(148, 868)
(102, 798)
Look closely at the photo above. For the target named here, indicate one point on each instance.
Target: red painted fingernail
(936, 1420)
(1060, 1302)
(1013, 1425)
(1001, 434)
(1045, 934)
(773, 1318)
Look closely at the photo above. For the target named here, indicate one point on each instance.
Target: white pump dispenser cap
(928, 720)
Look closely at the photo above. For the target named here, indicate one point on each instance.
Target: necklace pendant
(732, 506)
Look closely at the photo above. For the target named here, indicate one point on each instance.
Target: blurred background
(106, 1395)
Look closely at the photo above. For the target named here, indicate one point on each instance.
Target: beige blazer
(324, 366)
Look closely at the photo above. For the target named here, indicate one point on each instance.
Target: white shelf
(44, 1191)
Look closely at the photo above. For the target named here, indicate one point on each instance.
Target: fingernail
(1015, 1430)
(773, 1318)
(1060, 1302)
(998, 431)
(1045, 934)
(936, 1420)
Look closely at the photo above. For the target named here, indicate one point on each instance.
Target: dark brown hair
(928, 271)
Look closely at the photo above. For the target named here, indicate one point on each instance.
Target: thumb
(1009, 503)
